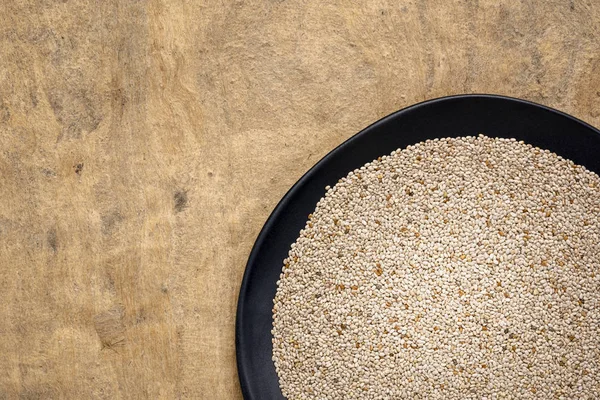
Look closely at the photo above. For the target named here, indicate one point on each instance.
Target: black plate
(449, 116)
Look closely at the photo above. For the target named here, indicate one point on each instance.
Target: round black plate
(453, 116)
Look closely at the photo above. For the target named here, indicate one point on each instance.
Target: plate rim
(259, 242)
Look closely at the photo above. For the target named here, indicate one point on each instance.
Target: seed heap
(462, 268)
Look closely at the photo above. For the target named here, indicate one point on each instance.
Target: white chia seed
(462, 268)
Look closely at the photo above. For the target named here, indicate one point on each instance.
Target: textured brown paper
(144, 143)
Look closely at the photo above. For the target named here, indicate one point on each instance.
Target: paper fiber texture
(144, 143)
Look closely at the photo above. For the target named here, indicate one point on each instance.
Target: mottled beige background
(144, 143)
